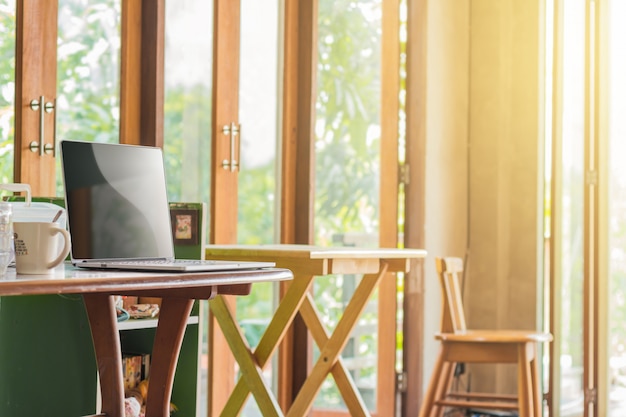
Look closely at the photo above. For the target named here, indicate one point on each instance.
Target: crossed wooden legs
(297, 298)
(252, 364)
(523, 354)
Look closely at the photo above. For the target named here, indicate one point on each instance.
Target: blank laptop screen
(116, 201)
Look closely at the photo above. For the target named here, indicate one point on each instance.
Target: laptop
(118, 213)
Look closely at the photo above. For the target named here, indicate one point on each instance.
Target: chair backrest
(453, 317)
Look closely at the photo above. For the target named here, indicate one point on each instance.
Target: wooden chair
(459, 345)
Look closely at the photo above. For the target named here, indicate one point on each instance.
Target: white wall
(446, 152)
(484, 88)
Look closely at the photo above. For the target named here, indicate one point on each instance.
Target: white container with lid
(33, 211)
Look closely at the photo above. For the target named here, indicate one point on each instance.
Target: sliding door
(220, 143)
(588, 210)
(612, 343)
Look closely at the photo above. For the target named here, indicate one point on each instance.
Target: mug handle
(66, 246)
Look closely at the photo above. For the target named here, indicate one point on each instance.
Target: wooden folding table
(306, 262)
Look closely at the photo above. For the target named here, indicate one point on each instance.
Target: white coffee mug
(37, 247)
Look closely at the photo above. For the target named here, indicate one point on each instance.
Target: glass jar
(6, 236)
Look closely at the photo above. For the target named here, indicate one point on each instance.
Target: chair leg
(524, 382)
(443, 386)
(536, 384)
(433, 387)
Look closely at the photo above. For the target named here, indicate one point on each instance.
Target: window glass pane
(571, 258)
(88, 72)
(617, 210)
(347, 170)
(188, 69)
(258, 115)
(7, 89)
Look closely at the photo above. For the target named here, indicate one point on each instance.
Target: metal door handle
(233, 132)
(39, 146)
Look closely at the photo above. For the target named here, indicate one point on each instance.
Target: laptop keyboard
(166, 262)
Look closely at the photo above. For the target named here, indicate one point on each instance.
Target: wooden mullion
(289, 119)
(130, 78)
(35, 76)
(300, 68)
(389, 194)
(142, 72)
(414, 209)
(305, 153)
(389, 119)
(223, 227)
(152, 72)
(291, 181)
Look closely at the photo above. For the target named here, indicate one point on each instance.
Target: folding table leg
(250, 371)
(350, 394)
(253, 363)
(337, 341)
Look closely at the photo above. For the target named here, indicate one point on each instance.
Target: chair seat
(495, 336)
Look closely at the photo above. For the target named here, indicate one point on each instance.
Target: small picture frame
(184, 226)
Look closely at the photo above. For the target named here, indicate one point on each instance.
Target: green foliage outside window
(347, 118)
(187, 127)
(348, 165)
(88, 55)
(257, 187)
(7, 89)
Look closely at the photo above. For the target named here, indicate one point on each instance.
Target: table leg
(167, 342)
(251, 364)
(250, 372)
(106, 339)
(343, 379)
(535, 381)
(329, 353)
(524, 378)
(351, 396)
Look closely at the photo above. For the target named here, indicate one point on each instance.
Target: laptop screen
(116, 201)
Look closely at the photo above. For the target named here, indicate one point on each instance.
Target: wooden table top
(68, 279)
(320, 260)
(315, 252)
